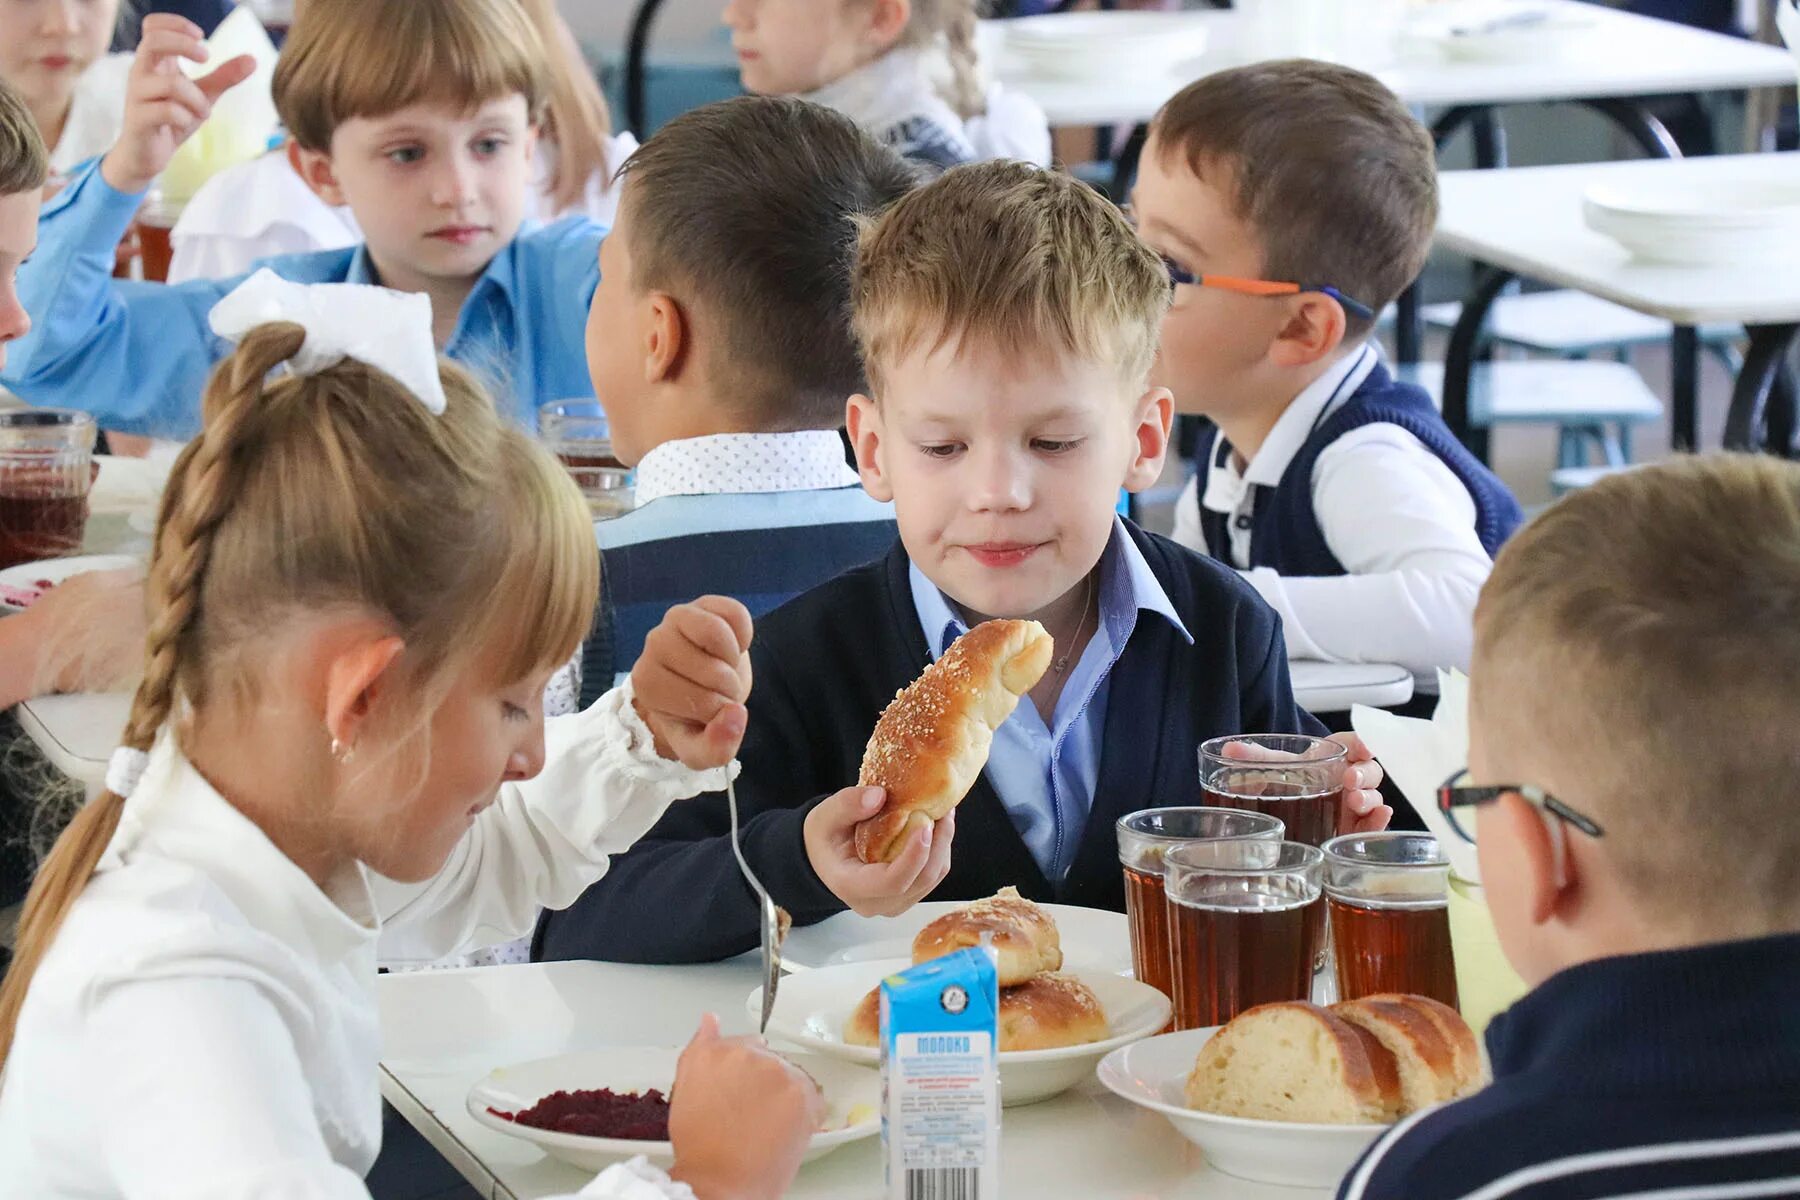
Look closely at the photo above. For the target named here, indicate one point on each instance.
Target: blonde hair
(1010, 256)
(952, 24)
(575, 116)
(369, 58)
(336, 489)
(1644, 634)
(24, 163)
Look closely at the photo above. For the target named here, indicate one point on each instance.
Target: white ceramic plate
(1092, 939)
(634, 1069)
(1479, 32)
(55, 570)
(1663, 221)
(1099, 45)
(1153, 1074)
(811, 1008)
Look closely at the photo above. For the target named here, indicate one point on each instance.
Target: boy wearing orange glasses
(1292, 202)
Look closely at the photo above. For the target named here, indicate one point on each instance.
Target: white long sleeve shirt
(1398, 519)
(205, 1024)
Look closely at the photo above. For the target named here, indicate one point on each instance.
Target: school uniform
(1668, 1074)
(205, 1022)
(895, 98)
(1184, 651)
(262, 209)
(1361, 520)
(137, 355)
(760, 517)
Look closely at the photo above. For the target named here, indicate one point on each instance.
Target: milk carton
(940, 1080)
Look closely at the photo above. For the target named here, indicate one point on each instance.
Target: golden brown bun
(1050, 1012)
(864, 1026)
(1295, 1062)
(1024, 937)
(932, 741)
(1424, 1056)
(1471, 1075)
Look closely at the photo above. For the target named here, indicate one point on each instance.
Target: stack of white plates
(1104, 45)
(1699, 224)
(1502, 31)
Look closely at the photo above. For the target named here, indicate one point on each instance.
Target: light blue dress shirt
(137, 355)
(1045, 775)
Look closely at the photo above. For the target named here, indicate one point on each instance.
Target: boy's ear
(862, 421)
(1315, 329)
(888, 19)
(1155, 411)
(667, 343)
(1544, 870)
(314, 169)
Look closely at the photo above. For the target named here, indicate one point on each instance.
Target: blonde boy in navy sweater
(1008, 320)
(1632, 765)
(1291, 202)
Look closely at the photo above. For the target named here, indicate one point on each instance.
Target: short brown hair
(1336, 177)
(24, 164)
(369, 58)
(1644, 634)
(1013, 256)
(747, 209)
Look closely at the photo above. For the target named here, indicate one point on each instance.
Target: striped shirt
(760, 517)
(1673, 1076)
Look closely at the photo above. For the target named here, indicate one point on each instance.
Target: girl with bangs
(264, 208)
(338, 741)
(54, 52)
(419, 116)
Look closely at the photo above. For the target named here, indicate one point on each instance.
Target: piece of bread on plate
(1023, 935)
(864, 1026)
(1295, 1062)
(1435, 1065)
(1048, 1013)
(1471, 1072)
(933, 739)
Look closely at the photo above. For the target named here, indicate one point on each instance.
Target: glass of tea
(1239, 913)
(1144, 837)
(1288, 775)
(46, 460)
(577, 433)
(1388, 895)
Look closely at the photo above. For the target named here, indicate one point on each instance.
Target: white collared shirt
(1399, 520)
(205, 1023)
(728, 463)
(96, 113)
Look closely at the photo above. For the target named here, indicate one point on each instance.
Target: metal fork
(771, 920)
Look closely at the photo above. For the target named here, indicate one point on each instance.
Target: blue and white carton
(940, 1079)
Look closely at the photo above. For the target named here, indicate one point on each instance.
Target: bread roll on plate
(1024, 937)
(1295, 1062)
(1430, 1065)
(1048, 1013)
(932, 741)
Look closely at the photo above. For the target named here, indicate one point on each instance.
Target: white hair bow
(385, 329)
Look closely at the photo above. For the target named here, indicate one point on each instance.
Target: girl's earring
(342, 752)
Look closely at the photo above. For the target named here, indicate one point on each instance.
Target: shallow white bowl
(1093, 939)
(1153, 1074)
(811, 1008)
(56, 570)
(1097, 45)
(637, 1068)
(1665, 221)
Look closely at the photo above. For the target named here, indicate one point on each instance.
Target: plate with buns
(1091, 939)
(1055, 1023)
(1293, 1093)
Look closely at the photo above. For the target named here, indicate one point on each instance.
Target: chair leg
(1623, 442)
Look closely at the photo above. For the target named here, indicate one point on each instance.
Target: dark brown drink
(588, 462)
(36, 526)
(1310, 816)
(1238, 955)
(155, 250)
(1393, 948)
(1148, 913)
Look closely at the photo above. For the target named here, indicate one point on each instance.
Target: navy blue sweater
(1284, 530)
(1622, 1077)
(827, 663)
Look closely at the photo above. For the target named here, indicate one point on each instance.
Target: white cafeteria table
(444, 1030)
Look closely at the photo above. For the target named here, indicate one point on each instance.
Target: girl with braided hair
(362, 578)
(905, 70)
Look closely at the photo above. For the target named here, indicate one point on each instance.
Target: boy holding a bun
(1008, 318)
(1632, 766)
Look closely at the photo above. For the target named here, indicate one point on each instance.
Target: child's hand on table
(874, 889)
(163, 107)
(86, 634)
(740, 1117)
(692, 680)
(1364, 810)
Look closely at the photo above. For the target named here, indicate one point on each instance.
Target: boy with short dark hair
(1632, 762)
(24, 166)
(1292, 202)
(1008, 319)
(719, 343)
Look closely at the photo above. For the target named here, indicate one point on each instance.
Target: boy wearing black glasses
(1292, 202)
(1632, 768)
